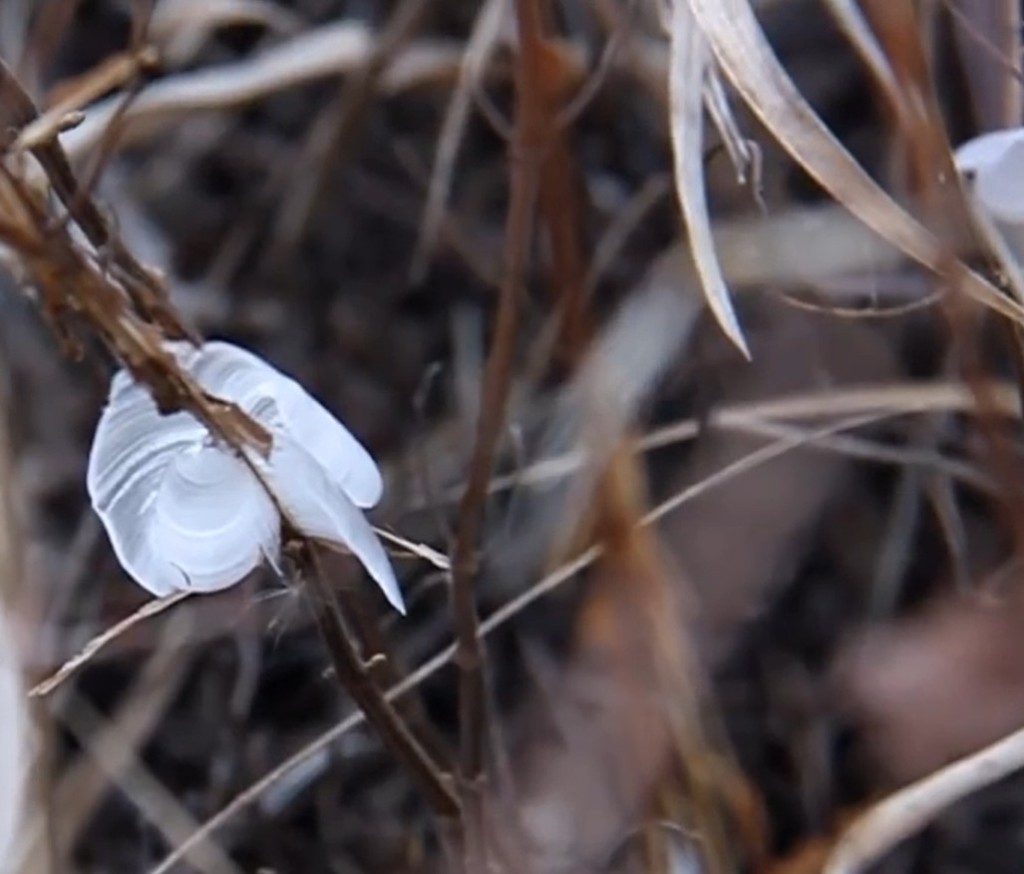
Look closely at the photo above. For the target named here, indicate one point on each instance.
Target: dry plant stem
(524, 162)
(856, 403)
(115, 72)
(560, 211)
(88, 652)
(386, 673)
(767, 419)
(18, 112)
(907, 811)
(930, 160)
(353, 675)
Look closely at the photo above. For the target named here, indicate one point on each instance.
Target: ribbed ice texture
(184, 512)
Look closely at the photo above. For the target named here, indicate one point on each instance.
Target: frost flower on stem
(184, 511)
(994, 165)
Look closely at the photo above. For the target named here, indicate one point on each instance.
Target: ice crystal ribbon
(184, 511)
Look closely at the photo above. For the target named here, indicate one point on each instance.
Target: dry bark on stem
(16, 112)
(469, 657)
(354, 676)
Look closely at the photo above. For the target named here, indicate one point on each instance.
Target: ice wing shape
(186, 512)
(996, 163)
(318, 506)
(983, 151)
(229, 372)
(181, 512)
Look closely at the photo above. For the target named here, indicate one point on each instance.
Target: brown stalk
(115, 72)
(373, 644)
(17, 111)
(559, 208)
(69, 282)
(527, 143)
(934, 175)
(353, 674)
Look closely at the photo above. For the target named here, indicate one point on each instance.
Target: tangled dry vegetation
(696, 385)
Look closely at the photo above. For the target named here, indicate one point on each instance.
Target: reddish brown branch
(354, 676)
(525, 149)
(560, 202)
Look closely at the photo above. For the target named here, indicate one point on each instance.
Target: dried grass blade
(689, 59)
(106, 637)
(910, 809)
(755, 71)
(851, 20)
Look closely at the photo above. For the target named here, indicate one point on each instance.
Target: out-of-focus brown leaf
(610, 704)
(937, 686)
(734, 546)
(736, 543)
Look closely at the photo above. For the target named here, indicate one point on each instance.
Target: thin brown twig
(112, 73)
(560, 207)
(89, 651)
(469, 655)
(353, 675)
(17, 111)
(384, 671)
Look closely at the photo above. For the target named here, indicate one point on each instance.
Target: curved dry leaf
(748, 60)
(183, 511)
(689, 57)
